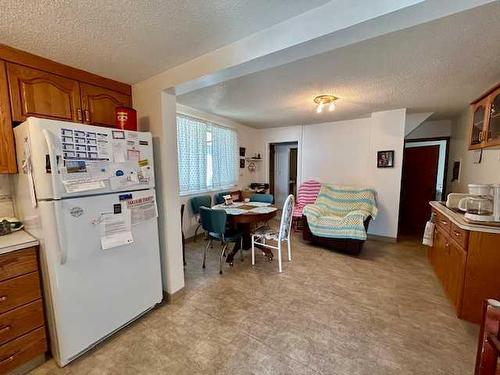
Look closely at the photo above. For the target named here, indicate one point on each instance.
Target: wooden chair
(488, 350)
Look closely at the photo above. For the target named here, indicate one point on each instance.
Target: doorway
(423, 180)
(283, 171)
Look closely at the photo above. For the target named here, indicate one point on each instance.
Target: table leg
(247, 243)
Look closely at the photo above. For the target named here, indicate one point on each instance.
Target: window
(207, 155)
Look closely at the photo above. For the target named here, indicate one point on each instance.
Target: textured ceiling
(131, 40)
(439, 66)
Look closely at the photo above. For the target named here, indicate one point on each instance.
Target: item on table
(228, 200)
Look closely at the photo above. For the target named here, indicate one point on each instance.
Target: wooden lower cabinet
(467, 263)
(22, 320)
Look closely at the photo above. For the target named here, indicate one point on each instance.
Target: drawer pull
(3, 299)
(8, 359)
(444, 222)
(4, 329)
(457, 234)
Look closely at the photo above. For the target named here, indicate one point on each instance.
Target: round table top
(247, 212)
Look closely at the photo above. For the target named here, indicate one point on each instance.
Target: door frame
(446, 158)
(271, 170)
(445, 177)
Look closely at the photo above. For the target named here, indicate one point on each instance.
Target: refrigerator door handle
(53, 161)
(60, 236)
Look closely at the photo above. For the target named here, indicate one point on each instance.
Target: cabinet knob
(87, 115)
(79, 114)
(3, 299)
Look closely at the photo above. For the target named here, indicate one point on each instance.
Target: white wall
(487, 172)
(6, 205)
(282, 172)
(432, 129)
(246, 138)
(345, 152)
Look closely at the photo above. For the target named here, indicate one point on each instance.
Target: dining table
(244, 216)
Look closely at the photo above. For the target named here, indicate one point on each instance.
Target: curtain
(207, 155)
(224, 156)
(192, 154)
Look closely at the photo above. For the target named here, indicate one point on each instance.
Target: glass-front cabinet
(494, 119)
(479, 111)
(485, 122)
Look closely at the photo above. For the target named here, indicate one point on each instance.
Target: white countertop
(458, 219)
(16, 241)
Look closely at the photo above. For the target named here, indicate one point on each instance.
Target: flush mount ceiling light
(325, 100)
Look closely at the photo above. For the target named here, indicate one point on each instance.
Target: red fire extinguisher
(126, 118)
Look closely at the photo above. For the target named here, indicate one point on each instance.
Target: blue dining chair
(219, 197)
(196, 203)
(265, 198)
(214, 222)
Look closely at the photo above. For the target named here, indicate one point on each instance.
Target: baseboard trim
(375, 237)
(173, 297)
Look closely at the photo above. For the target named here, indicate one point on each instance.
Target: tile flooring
(383, 312)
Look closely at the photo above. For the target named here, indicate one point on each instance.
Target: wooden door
(272, 160)
(455, 269)
(478, 126)
(99, 104)
(37, 93)
(7, 150)
(418, 187)
(493, 129)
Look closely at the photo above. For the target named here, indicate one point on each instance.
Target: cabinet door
(478, 126)
(438, 254)
(41, 94)
(455, 273)
(7, 152)
(493, 134)
(99, 104)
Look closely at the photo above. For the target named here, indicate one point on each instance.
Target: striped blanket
(340, 212)
(308, 192)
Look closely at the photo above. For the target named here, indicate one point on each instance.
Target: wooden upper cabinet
(493, 136)
(99, 104)
(37, 93)
(479, 119)
(485, 124)
(7, 151)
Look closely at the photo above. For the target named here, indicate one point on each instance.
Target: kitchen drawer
(443, 222)
(18, 263)
(17, 322)
(19, 291)
(461, 236)
(22, 350)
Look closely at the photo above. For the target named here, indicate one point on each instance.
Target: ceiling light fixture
(323, 100)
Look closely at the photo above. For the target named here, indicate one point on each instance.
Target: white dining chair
(261, 235)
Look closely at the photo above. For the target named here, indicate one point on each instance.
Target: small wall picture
(385, 159)
(242, 163)
(242, 152)
(456, 170)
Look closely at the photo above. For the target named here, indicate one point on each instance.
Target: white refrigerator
(87, 194)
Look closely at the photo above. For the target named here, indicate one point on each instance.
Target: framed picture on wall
(242, 163)
(385, 159)
(242, 152)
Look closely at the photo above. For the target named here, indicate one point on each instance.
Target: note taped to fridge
(142, 209)
(115, 230)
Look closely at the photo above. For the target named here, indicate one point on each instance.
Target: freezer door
(89, 160)
(93, 291)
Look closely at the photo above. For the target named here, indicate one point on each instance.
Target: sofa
(340, 217)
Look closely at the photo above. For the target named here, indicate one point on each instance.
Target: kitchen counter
(459, 220)
(16, 241)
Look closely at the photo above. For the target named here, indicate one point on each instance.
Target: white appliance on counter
(87, 194)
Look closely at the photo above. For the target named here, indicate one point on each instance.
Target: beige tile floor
(383, 312)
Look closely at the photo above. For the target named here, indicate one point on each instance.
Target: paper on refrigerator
(142, 209)
(81, 175)
(116, 229)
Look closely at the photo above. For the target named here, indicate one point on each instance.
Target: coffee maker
(480, 204)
